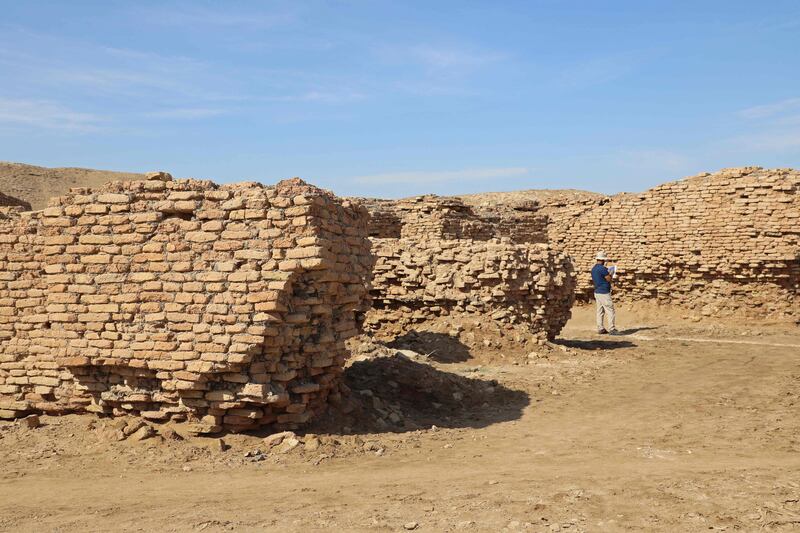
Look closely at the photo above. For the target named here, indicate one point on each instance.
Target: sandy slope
(37, 185)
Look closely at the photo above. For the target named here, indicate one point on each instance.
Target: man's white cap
(601, 256)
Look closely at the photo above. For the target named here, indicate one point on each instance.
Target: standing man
(602, 294)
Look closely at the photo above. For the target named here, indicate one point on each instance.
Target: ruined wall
(720, 243)
(451, 218)
(223, 305)
(448, 260)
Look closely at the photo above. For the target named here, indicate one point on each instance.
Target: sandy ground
(675, 426)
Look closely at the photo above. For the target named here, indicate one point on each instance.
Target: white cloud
(771, 110)
(447, 176)
(46, 114)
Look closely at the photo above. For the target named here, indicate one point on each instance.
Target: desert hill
(36, 185)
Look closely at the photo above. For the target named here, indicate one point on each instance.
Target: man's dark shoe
(614, 332)
(601, 332)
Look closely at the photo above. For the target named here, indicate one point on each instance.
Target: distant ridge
(36, 185)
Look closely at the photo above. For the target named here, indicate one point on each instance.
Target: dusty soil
(675, 426)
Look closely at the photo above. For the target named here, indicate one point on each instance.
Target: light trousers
(605, 307)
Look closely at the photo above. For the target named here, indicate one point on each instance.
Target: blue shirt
(601, 285)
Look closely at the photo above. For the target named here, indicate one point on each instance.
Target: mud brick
(150, 281)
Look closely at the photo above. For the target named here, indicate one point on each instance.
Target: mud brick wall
(449, 260)
(452, 218)
(720, 243)
(226, 306)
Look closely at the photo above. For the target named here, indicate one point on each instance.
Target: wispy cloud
(789, 105)
(599, 70)
(188, 113)
(436, 69)
(786, 140)
(447, 176)
(450, 57)
(46, 114)
(327, 96)
(649, 158)
(191, 16)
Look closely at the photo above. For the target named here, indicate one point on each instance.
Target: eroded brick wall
(721, 243)
(227, 306)
(437, 257)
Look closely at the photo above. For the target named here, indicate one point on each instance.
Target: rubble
(224, 306)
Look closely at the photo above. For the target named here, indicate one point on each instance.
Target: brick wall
(437, 257)
(227, 306)
(721, 243)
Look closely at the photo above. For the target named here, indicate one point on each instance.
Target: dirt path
(619, 434)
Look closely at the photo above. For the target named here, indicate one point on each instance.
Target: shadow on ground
(396, 394)
(440, 347)
(631, 331)
(595, 344)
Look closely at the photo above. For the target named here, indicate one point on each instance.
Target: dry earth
(37, 185)
(675, 426)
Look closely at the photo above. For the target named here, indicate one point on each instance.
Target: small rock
(218, 445)
(144, 432)
(158, 176)
(311, 444)
(186, 468)
(132, 427)
(255, 456)
(410, 526)
(30, 422)
(170, 434)
(277, 438)
(288, 444)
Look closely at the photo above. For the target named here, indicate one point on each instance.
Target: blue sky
(392, 98)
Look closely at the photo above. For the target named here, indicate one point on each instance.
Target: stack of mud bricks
(437, 257)
(720, 244)
(224, 306)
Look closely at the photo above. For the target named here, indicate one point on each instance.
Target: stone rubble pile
(436, 257)
(225, 306)
(721, 243)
